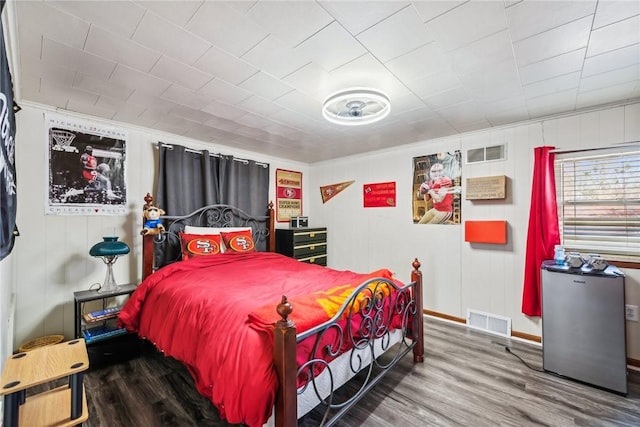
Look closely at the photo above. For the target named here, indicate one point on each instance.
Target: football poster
(437, 188)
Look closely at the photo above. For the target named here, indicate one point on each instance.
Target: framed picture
(288, 194)
(87, 164)
(437, 188)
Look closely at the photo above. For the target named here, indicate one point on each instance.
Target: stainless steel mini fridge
(583, 325)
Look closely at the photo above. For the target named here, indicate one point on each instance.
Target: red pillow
(199, 244)
(238, 241)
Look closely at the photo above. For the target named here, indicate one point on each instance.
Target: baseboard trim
(635, 363)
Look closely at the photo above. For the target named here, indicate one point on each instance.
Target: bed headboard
(159, 250)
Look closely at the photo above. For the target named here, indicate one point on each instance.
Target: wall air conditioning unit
(487, 322)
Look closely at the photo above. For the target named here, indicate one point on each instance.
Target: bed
(268, 338)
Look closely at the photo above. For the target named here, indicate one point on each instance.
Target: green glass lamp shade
(110, 246)
(109, 250)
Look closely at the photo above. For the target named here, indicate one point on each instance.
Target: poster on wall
(437, 188)
(288, 194)
(86, 168)
(379, 195)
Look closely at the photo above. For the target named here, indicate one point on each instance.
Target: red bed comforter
(198, 312)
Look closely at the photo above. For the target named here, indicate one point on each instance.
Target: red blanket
(197, 311)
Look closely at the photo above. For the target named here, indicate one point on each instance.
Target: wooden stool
(44, 364)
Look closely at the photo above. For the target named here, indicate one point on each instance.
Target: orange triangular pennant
(328, 191)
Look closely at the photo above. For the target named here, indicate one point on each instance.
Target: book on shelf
(101, 332)
(104, 314)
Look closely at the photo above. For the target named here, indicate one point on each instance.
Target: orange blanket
(313, 309)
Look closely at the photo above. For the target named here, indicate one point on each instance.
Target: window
(599, 203)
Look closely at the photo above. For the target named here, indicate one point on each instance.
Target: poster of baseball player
(437, 188)
(86, 168)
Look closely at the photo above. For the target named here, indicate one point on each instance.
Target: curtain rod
(630, 144)
(192, 150)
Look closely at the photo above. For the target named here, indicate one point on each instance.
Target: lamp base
(109, 284)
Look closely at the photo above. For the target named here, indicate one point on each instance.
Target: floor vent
(488, 322)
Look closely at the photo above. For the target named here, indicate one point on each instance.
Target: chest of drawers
(304, 244)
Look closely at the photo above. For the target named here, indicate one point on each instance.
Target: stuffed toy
(152, 223)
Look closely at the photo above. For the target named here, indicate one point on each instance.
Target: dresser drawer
(307, 250)
(309, 236)
(319, 259)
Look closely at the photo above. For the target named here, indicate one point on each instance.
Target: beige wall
(457, 275)
(51, 259)
(52, 253)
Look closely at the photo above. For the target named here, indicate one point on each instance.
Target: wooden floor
(467, 379)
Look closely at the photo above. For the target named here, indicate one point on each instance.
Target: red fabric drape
(544, 232)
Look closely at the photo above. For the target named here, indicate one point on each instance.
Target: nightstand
(304, 244)
(106, 343)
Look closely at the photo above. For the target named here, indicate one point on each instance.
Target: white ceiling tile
(365, 71)
(446, 98)
(274, 58)
(55, 74)
(435, 83)
(611, 60)
(611, 11)
(492, 83)
(223, 124)
(192, 114)
(563, 39)
(258, 105)
(141, 82)
(177, 11)
(301, 103)
(150, 102)
(99, 86)
(611, 78)
(331, 47)
(552, 67)
(311, 72)
(425, 60)
(119, 49)
(482, 54)
(553, 103)
(467, 23)
(38, 19)
(614, 36)
(552, 85)
(156, 33)
(254, 120)
(357, 16)
(58, 54)
(222, 91)
(290, 22)
(529, 18)
(266, 86)
(171, 70)
(607, 94)
(121, 17)
(429, 10)
(181, 95)
(408, 103)
(122, 108)
(224, 111)
(224, 26)
(396, 35)
(71, 94)
(221, 64)
(90, 109)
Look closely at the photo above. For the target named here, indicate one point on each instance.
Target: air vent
(487, 322)
(487, 154)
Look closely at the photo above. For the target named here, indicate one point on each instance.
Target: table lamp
(109, 250)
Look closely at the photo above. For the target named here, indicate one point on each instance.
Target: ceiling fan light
(356, 106)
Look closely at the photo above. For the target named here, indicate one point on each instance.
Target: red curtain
(544, 232)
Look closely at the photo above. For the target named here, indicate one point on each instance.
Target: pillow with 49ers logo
(238, 241)
(199, 245)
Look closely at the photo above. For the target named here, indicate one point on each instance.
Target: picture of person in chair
(438, 190)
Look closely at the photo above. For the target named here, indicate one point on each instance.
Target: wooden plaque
(486, 188)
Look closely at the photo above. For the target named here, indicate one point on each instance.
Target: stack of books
(101, 332)
(103, 314)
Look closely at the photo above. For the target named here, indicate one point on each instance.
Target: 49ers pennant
(329, 191)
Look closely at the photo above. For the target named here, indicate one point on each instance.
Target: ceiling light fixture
(356, 106)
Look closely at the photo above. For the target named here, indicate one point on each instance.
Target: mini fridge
(583, 325)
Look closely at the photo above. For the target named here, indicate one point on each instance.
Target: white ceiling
(253, 74)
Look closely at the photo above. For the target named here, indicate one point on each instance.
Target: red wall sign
(379, 195)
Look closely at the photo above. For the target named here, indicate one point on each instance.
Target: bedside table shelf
(106, 343)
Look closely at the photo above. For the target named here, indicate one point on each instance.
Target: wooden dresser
(304, 244)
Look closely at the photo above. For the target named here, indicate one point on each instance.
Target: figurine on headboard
(152, 221)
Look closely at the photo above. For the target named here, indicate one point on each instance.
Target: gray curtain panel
(190, 179)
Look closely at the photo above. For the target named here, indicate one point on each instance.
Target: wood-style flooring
(467, 379)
